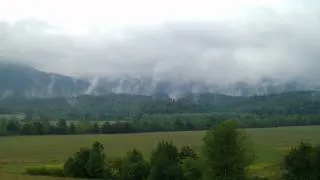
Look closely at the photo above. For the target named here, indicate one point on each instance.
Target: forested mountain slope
(124, 105)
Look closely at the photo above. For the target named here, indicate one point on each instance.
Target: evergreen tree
(165, 162)
(13, 126)
(187, 152)
(226, 152)
(96, 165)
(62, 127)
(3, 126)
(191, 169)
(88, 163)
(75, 166)
(72, 128)
(135, 167)
(298, 163)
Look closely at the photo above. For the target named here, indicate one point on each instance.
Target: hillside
(27, 90)
(124, 105)
(24, 81)
(27, 82)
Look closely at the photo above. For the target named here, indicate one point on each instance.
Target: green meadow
(19, 152)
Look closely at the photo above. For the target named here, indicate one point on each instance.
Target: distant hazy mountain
(25, 81)
(21, 80)
(149, 86)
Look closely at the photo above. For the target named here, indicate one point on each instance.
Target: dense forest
(118, 113)
(124, 106)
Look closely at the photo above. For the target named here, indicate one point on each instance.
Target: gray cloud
(282, 44)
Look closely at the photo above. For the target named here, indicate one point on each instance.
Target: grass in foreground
(16, 153)
(11, 176)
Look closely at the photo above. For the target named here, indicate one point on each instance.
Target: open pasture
(18, 152)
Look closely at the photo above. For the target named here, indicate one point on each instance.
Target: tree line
(130, 107)
(153, 123)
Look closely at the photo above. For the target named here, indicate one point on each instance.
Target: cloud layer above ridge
(264, 41)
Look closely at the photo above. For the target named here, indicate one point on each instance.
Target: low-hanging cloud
(265, 43)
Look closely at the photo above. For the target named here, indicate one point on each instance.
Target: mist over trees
(118, 113)
(133, 107)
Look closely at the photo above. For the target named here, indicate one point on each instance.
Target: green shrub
(187, 152)
(227, 152)
(88, 163)
(96, 165)
(135, 167)
(75, 166)
(302, 162)
(165, 162)
(191, 169)
(45, 170)
(115, 166)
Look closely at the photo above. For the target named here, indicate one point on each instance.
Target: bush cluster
(167, 162)
(302, 162)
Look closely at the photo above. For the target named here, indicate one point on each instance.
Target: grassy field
(16, 153)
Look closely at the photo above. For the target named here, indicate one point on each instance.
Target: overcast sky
(209, 40)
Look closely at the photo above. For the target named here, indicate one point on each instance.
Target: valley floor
(19, 152)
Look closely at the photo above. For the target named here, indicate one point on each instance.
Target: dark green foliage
(135, 107)
(150, 123)
(316, 162)
(13, 126)
(72, 128)
(88, 163)
(135, 167)
(115, 165)
(55, 171)
(26, 128)
(62, 127)
(106, 128)
(133, 113)
(76, 166)
(191, 169)
(95, 129)
(225, 153)
(300, 164)
(165, 162)
(134, 156)
(178, 125)
(37, 128)
(3, 127)
(96, 165)
(120, 127)
(47, 127)
(187, 152)
(190, 163)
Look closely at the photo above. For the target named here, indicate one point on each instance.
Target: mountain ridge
(26, 81)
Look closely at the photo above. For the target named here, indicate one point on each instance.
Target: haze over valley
(26, 81)
(248, 48)
(160, 89)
